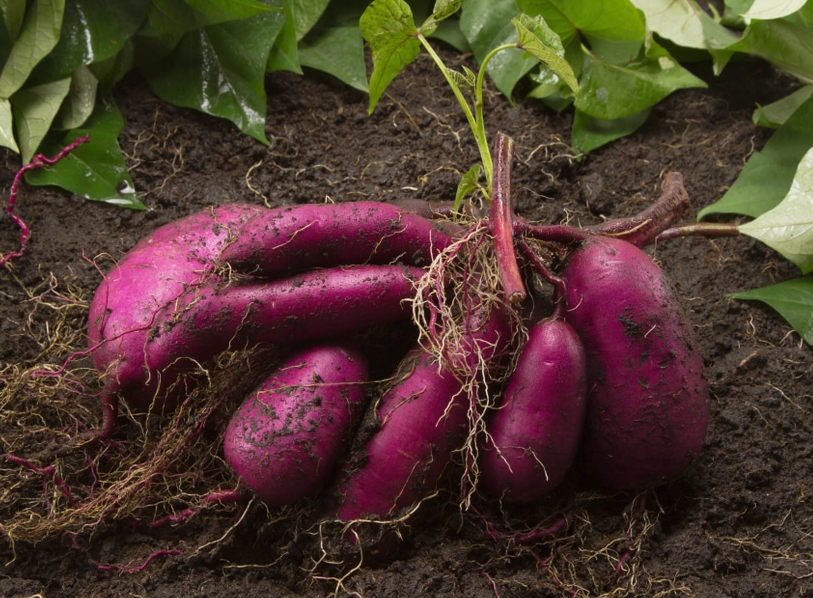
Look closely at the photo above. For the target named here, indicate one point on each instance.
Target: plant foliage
(61, 59)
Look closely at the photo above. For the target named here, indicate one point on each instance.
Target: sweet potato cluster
(600, 368)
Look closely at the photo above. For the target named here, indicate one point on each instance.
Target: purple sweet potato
(139, 295)
(153, 274)
(423, 418)
(534, 435)
(648, 403)
(286, 438)
(210, 318)
(325, 235)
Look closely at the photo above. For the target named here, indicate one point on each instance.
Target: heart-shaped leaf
(220, 70)
(609, 91)
(95, 170)
(389, 28)
(91, 32)
(788, 228)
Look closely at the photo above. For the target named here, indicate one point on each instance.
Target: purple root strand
(48, 473)
(142, 566)
(215, 497)
(37, 162)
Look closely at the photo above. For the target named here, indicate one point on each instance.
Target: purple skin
(536, 432)
(326, 235)
(153, 274)
(186, 253)
(407, 456)
(648, 403)
(210, 318)
(165, 267)
(424, 418)
(286, 438)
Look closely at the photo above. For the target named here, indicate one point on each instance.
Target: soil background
(738, 524)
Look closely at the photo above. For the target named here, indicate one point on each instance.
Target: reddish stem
(642, 229)
(37, 162)
(501, 220)
(699, 229)
(552, 233)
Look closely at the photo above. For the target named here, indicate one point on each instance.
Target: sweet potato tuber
(648, 403)
(285, 439)
(535, 433)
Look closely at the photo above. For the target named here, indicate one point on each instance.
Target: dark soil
(738, 524)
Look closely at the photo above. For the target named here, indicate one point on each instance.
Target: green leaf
(786, 44)
(92, 31)
(774, 115)
(12, 13)
(335, 45)
(540, 41)
(284, 55)
(685, 23)
(788, 228)
(34, 111)
(487, 25)
(484, 22)
(589, 133)
(96, 169)
(111, 71)
(768, 174)
(614, 29)
(609, 91)
(805, 14)
(7, 126)
(467, 80)
(468, 183)
(733, 11)
(38, 36)
(389, 28)
(220, 11)
(220, 70)
(306, 15)
(338, 51)
(508, 66)
(792, 299)
(170, 18)
(449, 32)
(772, 9)
(81, 100)
(689, 26)
(442, 11)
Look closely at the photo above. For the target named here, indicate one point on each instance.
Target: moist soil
(738, 523)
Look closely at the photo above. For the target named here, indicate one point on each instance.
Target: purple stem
(552, 233)
(501, 220)
(699, 229)
(643, 228)
(37, 162)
